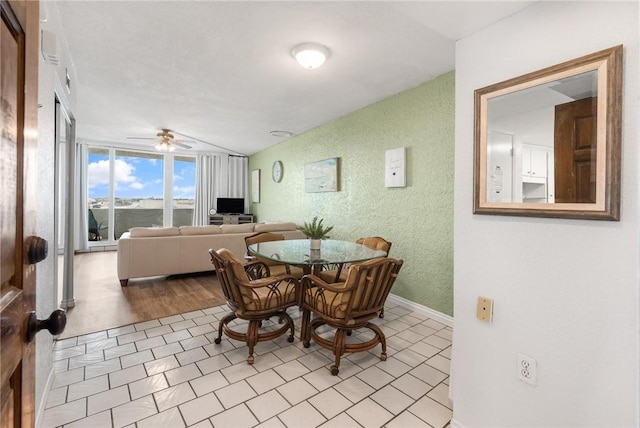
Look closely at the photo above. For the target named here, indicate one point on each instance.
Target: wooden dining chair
(348, 306)
(253, 300)
(338, 273)
(275, 268)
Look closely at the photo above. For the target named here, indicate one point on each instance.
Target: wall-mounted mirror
(548, 143)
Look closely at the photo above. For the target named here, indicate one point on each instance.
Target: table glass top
(297, 252)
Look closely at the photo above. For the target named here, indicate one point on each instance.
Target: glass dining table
(297, 252)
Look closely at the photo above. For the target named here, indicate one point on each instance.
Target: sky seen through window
(138, 177)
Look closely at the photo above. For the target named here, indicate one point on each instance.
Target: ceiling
(220, 73)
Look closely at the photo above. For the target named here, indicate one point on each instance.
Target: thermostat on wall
(394, 167)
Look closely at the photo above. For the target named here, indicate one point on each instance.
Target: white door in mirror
(276, 171)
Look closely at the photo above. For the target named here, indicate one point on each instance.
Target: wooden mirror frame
(608, 64)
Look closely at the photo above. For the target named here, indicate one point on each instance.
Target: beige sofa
(152, 251)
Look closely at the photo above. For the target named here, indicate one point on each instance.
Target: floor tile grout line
(292, 405)
(223, 354)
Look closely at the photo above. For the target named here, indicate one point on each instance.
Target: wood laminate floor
(101, 303)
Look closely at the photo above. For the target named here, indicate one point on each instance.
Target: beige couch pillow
(274, 227)
(236, 228)
(145, 232)
(200, 230)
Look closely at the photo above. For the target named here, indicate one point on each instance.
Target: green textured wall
(417, 219)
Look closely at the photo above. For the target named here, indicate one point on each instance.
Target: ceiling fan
(166, 141)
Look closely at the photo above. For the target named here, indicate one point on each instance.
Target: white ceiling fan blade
(208, 143)
(179, 144)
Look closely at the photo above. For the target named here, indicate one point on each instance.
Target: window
(138, 189)
(184, 190)
(98, 193)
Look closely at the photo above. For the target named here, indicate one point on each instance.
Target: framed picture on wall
(255, 185)
(321, 176)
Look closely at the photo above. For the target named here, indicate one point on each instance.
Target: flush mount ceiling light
(280, 133)
(310, 55)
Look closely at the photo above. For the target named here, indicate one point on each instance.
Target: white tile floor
(169, 373)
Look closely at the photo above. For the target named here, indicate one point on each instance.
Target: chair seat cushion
(269, 298)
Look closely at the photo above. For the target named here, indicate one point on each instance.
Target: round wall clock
(212, 211)
(276, 171)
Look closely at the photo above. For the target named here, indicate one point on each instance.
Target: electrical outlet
(485, 309)
(527, 369)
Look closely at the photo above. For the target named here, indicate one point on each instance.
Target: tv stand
(219, 219)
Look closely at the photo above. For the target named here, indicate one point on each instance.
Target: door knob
(55, 324)
(37, 249)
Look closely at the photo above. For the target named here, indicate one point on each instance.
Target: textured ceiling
(222, 72)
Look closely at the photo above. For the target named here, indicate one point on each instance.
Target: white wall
(566, 291)
(49, 81)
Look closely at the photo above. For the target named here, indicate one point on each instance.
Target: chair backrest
(372, 280)
(262, 237)
(246, 297)
(376, 243)
(228, 268)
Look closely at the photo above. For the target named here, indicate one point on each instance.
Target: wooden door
(18, 186)
(575, 151)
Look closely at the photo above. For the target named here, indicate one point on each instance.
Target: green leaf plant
(315, 229)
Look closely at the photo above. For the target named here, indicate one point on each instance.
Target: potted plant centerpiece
(316, 231)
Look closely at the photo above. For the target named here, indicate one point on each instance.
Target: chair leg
(225, 320)
(339, 346)
(305, 329)
(291, 327)
(252, 337)
(381, 337)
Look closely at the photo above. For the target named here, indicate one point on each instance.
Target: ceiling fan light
(310, 55)
(164, 146)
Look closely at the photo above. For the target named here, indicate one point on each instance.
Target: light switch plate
(394, 167)
(485, 309)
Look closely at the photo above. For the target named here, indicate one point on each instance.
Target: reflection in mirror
(531, 131)
(548, 143)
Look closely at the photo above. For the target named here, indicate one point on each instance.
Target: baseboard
(455, 424)
(435, 315)
(45, 397)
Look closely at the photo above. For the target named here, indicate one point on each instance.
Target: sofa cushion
(200, 230)
(271, 227)
(143, 232)
(236, 228)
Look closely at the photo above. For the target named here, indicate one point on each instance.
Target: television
(230, 205)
